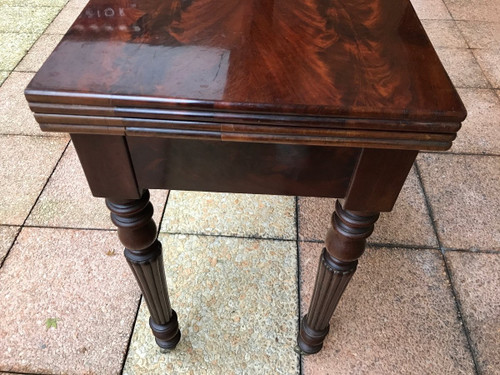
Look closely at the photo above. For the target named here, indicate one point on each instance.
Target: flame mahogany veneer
(327, 98)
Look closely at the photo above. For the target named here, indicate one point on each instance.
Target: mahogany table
(324, 98)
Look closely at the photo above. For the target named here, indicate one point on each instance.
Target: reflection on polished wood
(330, 98)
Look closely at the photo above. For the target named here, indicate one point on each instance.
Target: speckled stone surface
(431, 9)
(15, 115)
(444, 33)
(397, 316)
(464, 192)
(7, 235)
(3, 76)
(65, 275)
(477, 10)
(32, 20)
(462, 67)
(14, 47)
(26, 164)
(476, 278)
(245, 215)
(480, 34)
(67, 201)
(237, 305)
(34, 3)
(489, 60)
(408, 223)
(480, 132)
(40, 52)
(65, 19)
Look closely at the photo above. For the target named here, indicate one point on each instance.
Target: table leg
(345, 243)
(137, 232)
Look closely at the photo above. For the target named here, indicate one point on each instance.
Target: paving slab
(3, 76)
(244, 215)
(27, 163)
(489, 61)
(15, 114)
(67, 201)
(67, 307)
(408, 223)
(431, 9)
(397, 316)
(462, 67)
(444, 33)
(34, 3)
(480, 133)
(14, 47)
(480, 34)
(476, 278)
(39, 53)
(32, 20)
(7, 235)
(475, 10)
(237, 305)
(65, 19)
(464, 192)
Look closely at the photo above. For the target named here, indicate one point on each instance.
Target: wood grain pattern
(182, 164)
(345, 243)
(349, 59)
(143, 251)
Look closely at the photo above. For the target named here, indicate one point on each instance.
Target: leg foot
(345, 243)
(137, 232)
(167, 335)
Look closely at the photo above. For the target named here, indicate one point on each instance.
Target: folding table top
(323, 64)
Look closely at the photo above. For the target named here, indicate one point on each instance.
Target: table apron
(239, 167)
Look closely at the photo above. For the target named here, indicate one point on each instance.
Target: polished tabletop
(361, 59)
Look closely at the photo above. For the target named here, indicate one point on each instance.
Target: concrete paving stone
(39, 53)
(480, 34)
(464, 192)
(480, 133)
(65, 19)
(408, 223)
(3, 76)
(397, 316)
(7, 235)
(34, 3)
(444, 33)
(246, 215)
(474, 10)
(462, 67)
(66, 278)
(33, 20)
(15, 114)
(77, 3)
(489, 60)
(26, 163)
(67, 201)
(237, 305)
(14, 47)
(431, 9)
(476, 278)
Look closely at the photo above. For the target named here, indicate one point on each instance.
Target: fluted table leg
(137, 232)
(345, 243)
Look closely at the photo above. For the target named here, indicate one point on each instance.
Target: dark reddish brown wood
(106, 162)
(312, 97)
(345, 243)
(378, 179)
(242, 167)
(258, 62)
(137, 232)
